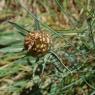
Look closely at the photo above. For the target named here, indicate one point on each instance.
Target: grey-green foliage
(58, 72)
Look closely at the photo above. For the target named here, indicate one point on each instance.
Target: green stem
(91, 32)
(60, 61)
(37, 24)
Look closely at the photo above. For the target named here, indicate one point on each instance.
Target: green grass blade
(22, 30)
(44, 25)
(11, 49)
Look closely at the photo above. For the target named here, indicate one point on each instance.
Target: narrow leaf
(44, 25)
(20, 28)
(11, 49)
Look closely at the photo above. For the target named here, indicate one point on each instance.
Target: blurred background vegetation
(69, 69)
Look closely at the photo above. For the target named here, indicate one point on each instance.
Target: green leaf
(18, 86)
(20, 28)
(11, 49)
(8, 38)
(43, 24)
(37, 24)
(14, 68)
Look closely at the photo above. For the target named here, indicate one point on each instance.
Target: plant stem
(36, 21)
(91, 32)
(60, 61)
